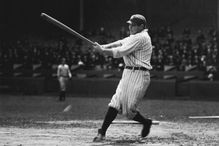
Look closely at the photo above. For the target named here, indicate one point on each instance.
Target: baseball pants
(130, 91)
(63, 83)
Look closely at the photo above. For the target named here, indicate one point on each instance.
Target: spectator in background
(211, 70)
(102, 35)
(123, 32)
(183, 63)
(200, 37)
(193, 45)
(186, 32)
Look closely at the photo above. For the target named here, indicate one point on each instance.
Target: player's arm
(106, 49)
(69, 72)
(58, 72)
(103, 50)
(127, 46)
(112, 45)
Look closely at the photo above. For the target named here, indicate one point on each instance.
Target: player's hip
(135, 75)
(63, 79)
(134, 82)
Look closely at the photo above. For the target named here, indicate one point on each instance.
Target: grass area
(39, 108)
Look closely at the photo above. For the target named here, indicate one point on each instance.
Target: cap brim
(129, 22)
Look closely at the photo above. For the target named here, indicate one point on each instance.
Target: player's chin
(131, 32)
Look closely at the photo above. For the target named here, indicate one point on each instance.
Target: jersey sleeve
(129, 44)
(69, 72)
(58, 70)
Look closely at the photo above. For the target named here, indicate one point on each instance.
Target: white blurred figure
(63, 74)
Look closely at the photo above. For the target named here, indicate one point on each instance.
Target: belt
(64, 76)
(136, 68)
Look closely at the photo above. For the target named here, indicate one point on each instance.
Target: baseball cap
(137, 19)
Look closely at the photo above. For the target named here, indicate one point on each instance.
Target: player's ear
(142, 26)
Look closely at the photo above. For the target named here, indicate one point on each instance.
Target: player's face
(133, 28)
(63, 61)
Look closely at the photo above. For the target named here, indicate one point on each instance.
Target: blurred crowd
(199, 49)
(187, 49)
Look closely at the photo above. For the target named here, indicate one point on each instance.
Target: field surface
(40, 121)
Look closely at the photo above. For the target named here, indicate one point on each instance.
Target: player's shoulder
(144, 33)
(66, 65)
(142, 37)
(59, 66)
(63, 66)
(145, 36)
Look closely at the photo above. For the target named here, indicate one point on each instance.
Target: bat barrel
(64, 27)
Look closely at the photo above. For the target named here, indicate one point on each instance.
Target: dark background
(20, 20)
(23, 16)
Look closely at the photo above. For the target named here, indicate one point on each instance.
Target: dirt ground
(75, 133)
(29, 121)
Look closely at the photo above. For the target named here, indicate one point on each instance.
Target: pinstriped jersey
(136, 50)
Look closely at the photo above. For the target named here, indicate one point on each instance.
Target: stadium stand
(193, 55)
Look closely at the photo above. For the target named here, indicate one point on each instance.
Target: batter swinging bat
(66, 28)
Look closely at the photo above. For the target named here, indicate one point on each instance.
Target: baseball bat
(64, 27)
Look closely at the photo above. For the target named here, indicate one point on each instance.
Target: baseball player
(136, 51)
(63, 74)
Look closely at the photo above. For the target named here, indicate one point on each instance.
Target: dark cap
(137, 19)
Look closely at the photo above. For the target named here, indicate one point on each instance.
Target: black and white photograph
(109, 73)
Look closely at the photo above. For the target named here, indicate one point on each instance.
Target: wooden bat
(64, 27)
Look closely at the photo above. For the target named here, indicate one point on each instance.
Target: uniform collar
(144, 30)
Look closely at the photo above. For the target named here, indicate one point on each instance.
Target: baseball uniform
(136, 51)
(63, 74)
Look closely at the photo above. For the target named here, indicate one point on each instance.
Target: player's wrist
(107, 52)
(104, 46)
(101, 49)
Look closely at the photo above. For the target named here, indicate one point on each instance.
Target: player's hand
(98, 47)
